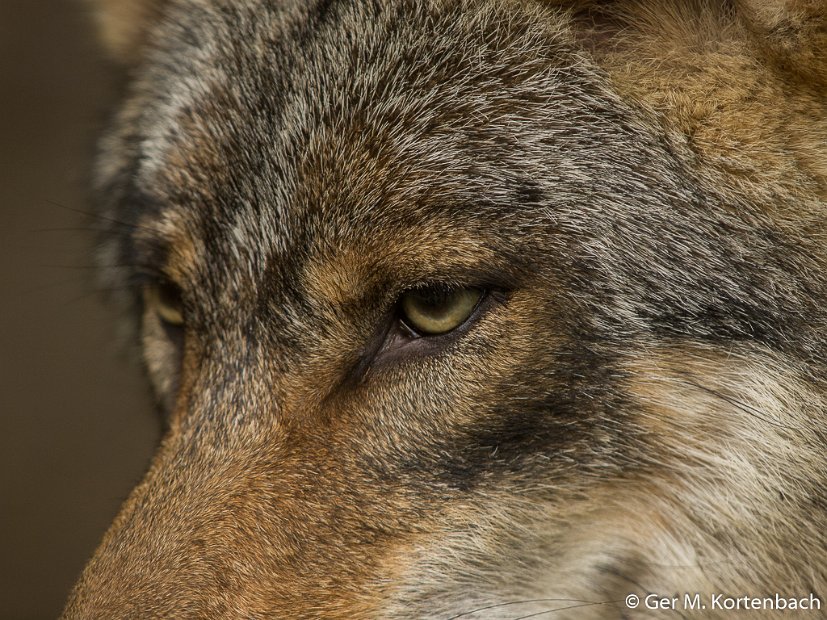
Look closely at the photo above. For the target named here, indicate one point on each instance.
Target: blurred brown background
(76, 423)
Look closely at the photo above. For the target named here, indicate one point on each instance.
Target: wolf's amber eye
(433, 311)
(164, 298)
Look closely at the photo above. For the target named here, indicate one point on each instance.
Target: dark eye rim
(395, 342)
(399, 341)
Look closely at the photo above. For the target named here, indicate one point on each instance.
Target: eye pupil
(432, 303)
(433, 311)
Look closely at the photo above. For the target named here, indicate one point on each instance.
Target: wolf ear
(122, 24)
(791, 33)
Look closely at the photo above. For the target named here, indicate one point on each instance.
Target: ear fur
(123, 24)
(743, 81)
(792, 33)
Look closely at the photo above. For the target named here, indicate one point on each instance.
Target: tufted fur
(639, 404)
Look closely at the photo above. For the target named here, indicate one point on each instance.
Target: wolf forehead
(258, 120)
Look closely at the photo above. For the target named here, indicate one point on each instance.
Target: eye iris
(436, 311)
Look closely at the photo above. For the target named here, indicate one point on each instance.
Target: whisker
(102, 218)
(89, 294)
(616, 573)
(531, 600)
(748, 409)
(101, 267)
(578, 606)
(691, 566)
(81, 280)
(85, 229)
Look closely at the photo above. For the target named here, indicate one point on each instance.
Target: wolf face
(469, 307)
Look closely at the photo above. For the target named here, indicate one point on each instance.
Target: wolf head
(466, 305)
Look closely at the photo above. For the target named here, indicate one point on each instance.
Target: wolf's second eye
(432, 311)
(164, 298)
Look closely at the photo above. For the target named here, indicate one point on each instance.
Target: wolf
(470, 308)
